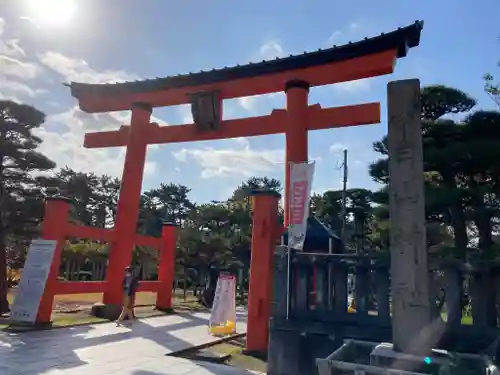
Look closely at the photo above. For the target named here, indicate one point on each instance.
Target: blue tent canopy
(318, 237)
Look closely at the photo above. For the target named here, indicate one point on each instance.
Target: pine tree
(18, 187)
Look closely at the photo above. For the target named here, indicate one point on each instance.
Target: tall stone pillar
(411, 312)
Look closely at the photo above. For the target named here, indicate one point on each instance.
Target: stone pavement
(104, 349)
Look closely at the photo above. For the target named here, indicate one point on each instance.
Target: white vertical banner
(301, 177)
(223, 314)
(33, 280)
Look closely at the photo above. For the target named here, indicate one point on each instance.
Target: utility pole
(344, 200)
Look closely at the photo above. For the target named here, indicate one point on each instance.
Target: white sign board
(301, 176)
(224, 306)
(33, 280)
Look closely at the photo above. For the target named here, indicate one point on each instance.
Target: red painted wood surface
(264, 230)
(56, 227)
(127, 211)
(53, 228)
(79, 287)
(335, 72)
(317, 119)
(166, 268)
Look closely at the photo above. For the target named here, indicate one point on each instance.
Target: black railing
(322, 288)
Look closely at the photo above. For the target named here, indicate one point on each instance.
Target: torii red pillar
(261, 283)
(53, 228)
(297, 93)
(166, 267)
(127, 212)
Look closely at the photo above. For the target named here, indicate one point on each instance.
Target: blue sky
(114, 40)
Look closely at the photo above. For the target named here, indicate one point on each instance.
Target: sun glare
(52, 13)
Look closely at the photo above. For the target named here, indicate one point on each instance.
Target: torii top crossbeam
(366, 58)
(206, 92)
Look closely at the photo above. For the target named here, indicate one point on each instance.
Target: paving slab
(102, 349)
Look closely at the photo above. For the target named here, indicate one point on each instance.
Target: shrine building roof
(400, 40)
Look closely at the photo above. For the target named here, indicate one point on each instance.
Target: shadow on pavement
(37, 352)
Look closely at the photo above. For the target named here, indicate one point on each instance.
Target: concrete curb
(9, 328)
(77, 310)
(48, 327)
(207, 345)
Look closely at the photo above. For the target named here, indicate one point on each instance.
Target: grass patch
(62, 319)
(74, 309)
(466, 319)
(65, 301)
(236, 349)
(238, 358)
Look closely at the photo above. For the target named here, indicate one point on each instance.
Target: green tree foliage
(492, 87)
(460, 164)
(168, 203)
(359, 214)
(462, 186)
(254, 183)
(20, 209)
(94, 198)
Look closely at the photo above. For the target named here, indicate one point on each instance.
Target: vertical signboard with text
(301, 176)
(223, 315)
(33, 280)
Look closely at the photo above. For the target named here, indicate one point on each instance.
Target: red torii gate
(205, 91)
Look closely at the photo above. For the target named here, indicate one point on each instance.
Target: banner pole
(298, 202)
(289, 255)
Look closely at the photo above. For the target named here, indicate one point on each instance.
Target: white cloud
(244, 162)
(77, 121)
(94, 122)
(320, 190)
(15, 69)
(78, 70)
(185, 113)
(12, 87)
(254, 105)
(63, 133)
(239, 160)
(66, 147)
(338, 147)
(30, 20)
(247, 102)
(242, 141)
(334, 36)
(353, 26)
(10, 46)
(11, 66)
(360, 85)
(337, 185)
(271, 49)
(351, 31)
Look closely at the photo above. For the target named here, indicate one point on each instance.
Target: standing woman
(130, 284)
